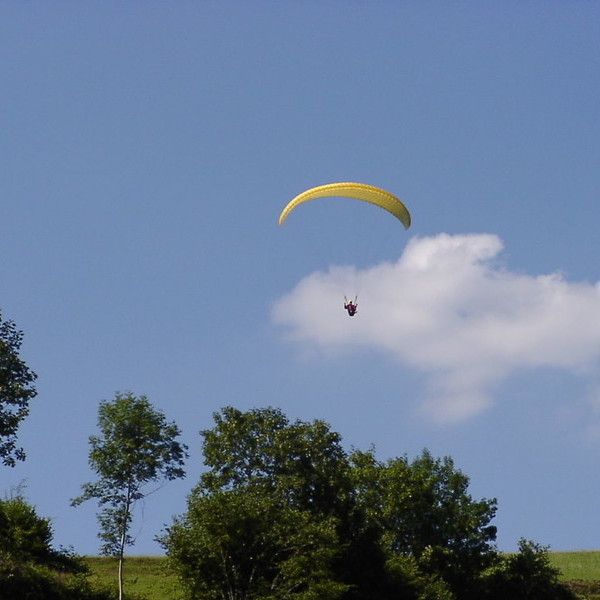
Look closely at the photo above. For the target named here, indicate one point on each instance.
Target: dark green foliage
(423, 510)
(282, 512)
(30, 568)
(28, 581)
(302, 462)
(408, 581)
(263, 520)
(584, 588)
(16, 390)
(246, 544)
(27, 537)
(526, 575)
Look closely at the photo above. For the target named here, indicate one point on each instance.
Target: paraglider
(360, 191)
(351, 307)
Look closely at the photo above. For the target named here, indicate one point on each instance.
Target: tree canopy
(16, 390)
(136, 447)
(284, 512)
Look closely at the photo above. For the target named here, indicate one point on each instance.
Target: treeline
(282, 512)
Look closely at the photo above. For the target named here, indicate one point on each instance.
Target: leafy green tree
(276, 495)
(244, 543)
(265, 517)
(136, 447)
(16, 390)
(424, 510)
(399, 493)
(282, 512)
(304, 463)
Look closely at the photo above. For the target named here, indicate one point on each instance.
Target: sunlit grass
(577, 565)
(144, 576)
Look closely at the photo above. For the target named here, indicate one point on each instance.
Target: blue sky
(147, 150)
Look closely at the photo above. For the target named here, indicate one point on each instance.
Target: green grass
(147, 576)
(144, 576)
(577, 565)
(580, 571)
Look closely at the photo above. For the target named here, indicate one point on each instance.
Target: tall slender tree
(136, 448)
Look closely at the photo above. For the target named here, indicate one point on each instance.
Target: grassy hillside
(144, 576)
(147, 576)
(577, 565)
(581, 571)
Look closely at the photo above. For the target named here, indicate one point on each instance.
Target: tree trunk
(121, 576)
(122, 547)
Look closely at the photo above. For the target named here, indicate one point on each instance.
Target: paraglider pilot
(351, 307)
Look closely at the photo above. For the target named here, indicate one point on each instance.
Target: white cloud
(448, 308)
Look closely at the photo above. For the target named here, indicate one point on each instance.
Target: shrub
(30, 568)
(527, 575)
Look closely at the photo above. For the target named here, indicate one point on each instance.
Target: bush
(526, 575)
(30, 568)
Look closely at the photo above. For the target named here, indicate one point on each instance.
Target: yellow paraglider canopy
(360, 191)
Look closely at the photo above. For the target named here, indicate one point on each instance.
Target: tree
(302, 462)
(276, 515)
(423, 510)
(16, 390)
(284, 513)
(265, 518)
(136, 447)
(243, 543)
